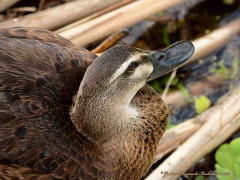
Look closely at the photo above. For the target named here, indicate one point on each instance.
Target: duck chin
(132, 92)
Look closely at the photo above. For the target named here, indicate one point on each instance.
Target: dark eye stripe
(132, 66)
(144, 59)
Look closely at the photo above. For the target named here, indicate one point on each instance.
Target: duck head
(102, 107)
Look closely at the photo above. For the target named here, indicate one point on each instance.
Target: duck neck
(100, 116)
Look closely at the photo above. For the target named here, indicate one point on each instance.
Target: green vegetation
(235, 66)
(221, 70)
(160, 84)
(228, 2)
(202, 104)
(170, 125)
(156, 85)
(185, 93)
(226, 73)
(228, 160)
(200, 178)
(166, 38)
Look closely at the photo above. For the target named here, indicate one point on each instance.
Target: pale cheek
(142, 70)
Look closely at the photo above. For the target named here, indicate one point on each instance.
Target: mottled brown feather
(40, 73)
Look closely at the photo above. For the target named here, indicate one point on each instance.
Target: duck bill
(166, 60)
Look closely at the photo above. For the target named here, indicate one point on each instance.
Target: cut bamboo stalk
(61, 15)
(220, 125)
(172, 76)
(106, 24)
(176, 136)
(24, 9)
(4, 4)
(215, 40)
(92, 16)
(224, 133)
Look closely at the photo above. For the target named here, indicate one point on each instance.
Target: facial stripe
(141, 69)
(125, 65)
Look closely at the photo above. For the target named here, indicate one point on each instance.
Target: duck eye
(132, 66)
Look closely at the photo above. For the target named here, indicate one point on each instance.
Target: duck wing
(14, 171)
(38, 79)
(43, 35)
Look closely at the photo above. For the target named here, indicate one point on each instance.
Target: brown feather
(40, 73)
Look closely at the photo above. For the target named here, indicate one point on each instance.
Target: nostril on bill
(160, 57)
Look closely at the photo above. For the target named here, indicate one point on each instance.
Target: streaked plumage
(40, 75)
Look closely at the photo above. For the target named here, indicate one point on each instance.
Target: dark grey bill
(166, 60)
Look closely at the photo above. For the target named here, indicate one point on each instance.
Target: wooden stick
(176, 136)
(58, 16)
(223, 134)
(106, 24)
(215, 40)
(110, 41)
(204, 46)
(222, 122)
(122, 17)
(173, 75)
(41, 4)
(4, 4)
(92, 16)
(24, 9)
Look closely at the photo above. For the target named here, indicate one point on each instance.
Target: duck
(66, 113)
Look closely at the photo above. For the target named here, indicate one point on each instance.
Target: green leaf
(235, 66)
(228, 160)
(235, 150)
(235, 147)
(220, 170)
(202, 104)
(221, 70)
(237, 168)
(224, 157)
(200, 178)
